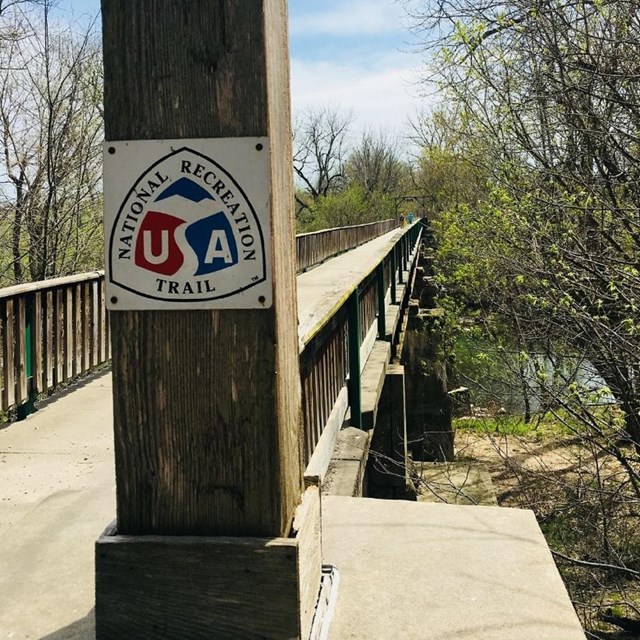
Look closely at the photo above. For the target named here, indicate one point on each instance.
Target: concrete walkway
(58, 494)
(435, 572)
(415, 571)
(407, 570)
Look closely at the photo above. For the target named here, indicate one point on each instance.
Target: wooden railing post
(355, 339)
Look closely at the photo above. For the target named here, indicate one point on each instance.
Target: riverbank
(583, 500)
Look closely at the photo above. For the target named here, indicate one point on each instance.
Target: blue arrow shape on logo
(187, 189)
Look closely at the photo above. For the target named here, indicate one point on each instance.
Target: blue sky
(354, 55)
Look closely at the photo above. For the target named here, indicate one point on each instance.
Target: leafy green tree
(353, 205)
(549, 92)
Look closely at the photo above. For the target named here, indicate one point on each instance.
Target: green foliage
(505, 425)
(353, 205)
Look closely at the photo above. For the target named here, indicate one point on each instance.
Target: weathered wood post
(201, 276)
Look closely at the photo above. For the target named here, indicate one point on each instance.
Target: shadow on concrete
(82, 629)
(63, 390)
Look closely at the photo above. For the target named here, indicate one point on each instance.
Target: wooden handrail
(52, 332)
(52, 283)
(317, 246)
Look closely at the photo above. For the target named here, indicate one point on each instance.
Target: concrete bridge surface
(406, 570)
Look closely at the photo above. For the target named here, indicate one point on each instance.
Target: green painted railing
(331, 360)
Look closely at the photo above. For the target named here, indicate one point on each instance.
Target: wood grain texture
(68, 333)
(102, 319)
(60, 336)
(49, 345)
(170, 587)
(8, 356)
(308, 530)
(40, 285)
(318, 246)
(78, 314)
(86, 327)
(206, 404)
(95, 325)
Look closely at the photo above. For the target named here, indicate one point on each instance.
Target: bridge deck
(58, 494)
(58, 479)
(323, 289)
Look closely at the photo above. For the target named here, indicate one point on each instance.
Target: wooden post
(207, 403)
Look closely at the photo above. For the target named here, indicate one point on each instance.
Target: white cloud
(381, 96)
(362, 17)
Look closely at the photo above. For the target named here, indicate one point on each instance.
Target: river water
(504, 378)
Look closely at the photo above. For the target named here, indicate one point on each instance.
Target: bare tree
(375, 164)
(320, 141)
(50, 136)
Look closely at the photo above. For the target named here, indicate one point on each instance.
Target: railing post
(382, 329)
(405, 246)
(400, 259)
(355, 385)
(28, 407)
(394, 294)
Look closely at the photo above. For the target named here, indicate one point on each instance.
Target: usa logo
(186, 233)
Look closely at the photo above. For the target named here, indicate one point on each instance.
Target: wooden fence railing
(331, 362)
(55, 330)
(50, 332)
(313, 248)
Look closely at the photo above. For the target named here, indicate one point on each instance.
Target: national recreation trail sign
(187, 224)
